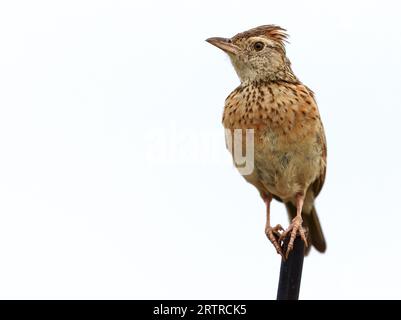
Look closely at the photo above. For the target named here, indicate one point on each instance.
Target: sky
(114, 178)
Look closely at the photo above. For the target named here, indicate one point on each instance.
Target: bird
(289, 143)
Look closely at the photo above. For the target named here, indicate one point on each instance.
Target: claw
(293, 229)
(273, 234)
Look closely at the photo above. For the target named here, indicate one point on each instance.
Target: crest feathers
(271, 31)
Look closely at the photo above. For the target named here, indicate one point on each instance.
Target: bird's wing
(317, 185)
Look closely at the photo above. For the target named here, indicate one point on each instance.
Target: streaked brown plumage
(290, 145)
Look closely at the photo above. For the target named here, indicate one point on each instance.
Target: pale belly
(285, 170)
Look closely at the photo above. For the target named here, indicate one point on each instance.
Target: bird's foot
(294, 228)
(273, 234)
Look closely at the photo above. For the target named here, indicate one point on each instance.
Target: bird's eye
(258, 46)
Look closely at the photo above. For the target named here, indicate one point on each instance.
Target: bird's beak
(224, 44)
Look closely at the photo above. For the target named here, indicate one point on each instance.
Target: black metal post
(291, 271)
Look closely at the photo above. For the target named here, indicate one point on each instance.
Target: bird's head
(257, 54)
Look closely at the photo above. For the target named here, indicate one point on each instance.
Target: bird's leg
(295, 227)
(273, 234)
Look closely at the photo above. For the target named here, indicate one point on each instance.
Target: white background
(114, 178)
